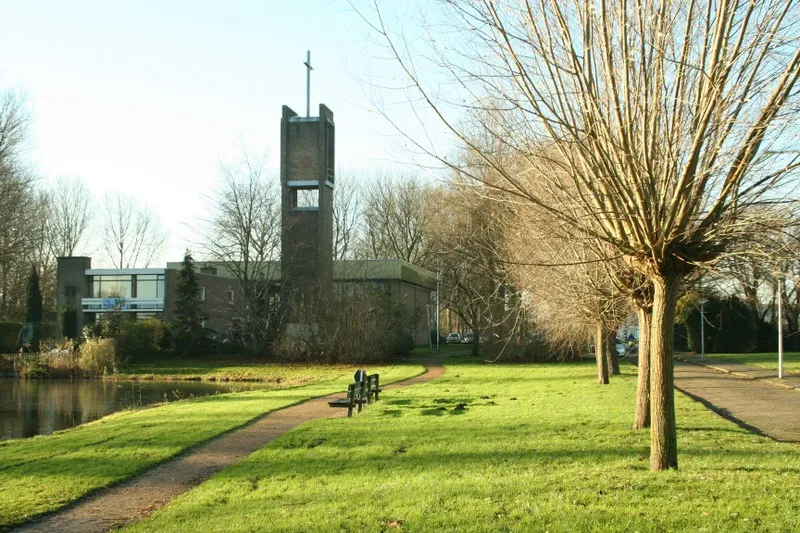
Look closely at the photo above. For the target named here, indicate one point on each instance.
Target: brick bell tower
(307, 180)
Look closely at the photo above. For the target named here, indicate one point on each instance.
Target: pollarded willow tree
(672, 118)
(569, 292)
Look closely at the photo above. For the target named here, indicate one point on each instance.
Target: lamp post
(780, 327)
(702, 302)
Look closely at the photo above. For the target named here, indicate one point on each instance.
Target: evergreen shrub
(98, 357)
(138, 339)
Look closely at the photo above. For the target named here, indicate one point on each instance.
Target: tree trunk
(663, 432)
(611, 352)
(599, 354)
(476, 348)
(641, 419)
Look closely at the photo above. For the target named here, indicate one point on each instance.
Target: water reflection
(40, 407)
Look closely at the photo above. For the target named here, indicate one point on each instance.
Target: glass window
(112, 286)
(202, 294)
(150, 286)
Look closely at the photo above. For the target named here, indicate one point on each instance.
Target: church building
(305, 277)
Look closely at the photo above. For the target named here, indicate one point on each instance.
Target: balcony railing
(125, 305)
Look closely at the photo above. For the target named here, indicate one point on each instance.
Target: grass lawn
(500, 448)
(231, 368)
(44, 473)
(791, 360)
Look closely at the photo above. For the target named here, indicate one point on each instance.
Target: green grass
(44, 473)
(534, 448)
(769, 361)
(230, 368)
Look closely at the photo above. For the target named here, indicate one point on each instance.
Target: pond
(40, 407)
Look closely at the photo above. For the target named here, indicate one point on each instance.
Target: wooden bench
(373, 388)
(361, 391)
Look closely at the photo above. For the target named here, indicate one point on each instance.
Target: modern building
(151, 292)
(305, 277)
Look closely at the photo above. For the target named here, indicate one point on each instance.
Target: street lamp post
(702, 302)
(780, 328)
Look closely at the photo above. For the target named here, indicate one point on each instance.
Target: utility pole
(702, 302)
(780, 327)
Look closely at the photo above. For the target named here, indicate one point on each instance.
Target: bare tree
(347, 214)
(397, 217)
(469, 257)
(132, 235)
(669, 117)
(569, 291)
(244, 234)
(69, 215)
(19, 205)
(14, 123)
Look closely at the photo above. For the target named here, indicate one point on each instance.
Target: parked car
(453, 338)
(621, 350)
(469, 338)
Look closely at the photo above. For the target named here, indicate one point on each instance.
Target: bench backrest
(357, 391)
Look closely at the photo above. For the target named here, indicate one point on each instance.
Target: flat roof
(344, 270)
(123, 271)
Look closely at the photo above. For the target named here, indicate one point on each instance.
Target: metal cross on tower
(309, 68)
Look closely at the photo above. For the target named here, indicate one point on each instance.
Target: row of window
(142, 286)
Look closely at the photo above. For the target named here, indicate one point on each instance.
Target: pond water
(40, 407)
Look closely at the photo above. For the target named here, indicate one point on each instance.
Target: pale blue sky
(145, 97)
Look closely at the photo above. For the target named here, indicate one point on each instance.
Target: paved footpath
(133, 500)
(742, 394)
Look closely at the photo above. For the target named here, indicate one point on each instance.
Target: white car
(621, 349)
(453, 338)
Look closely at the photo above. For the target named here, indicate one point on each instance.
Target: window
(149, 286)
(112, 286)
(211, 271)
(201, 295)
(305, 198)
(231, 296)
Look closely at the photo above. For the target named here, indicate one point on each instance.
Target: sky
(147, 97)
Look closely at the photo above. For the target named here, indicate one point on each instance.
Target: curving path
(152, 490)
(752, 404)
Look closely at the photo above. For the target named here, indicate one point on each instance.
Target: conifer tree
(188, 319)
(33, 305)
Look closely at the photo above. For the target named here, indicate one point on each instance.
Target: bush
(9, 333)
(98, 357)
(730, 325)
(141, 338)
(537, 349)
(111, 324)
(92, 330)
(68, 318)
(357, 329)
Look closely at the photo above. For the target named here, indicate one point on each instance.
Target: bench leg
(350, 410)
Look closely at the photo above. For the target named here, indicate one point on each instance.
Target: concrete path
(152, 490)
(789, 381)
(752, 403)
